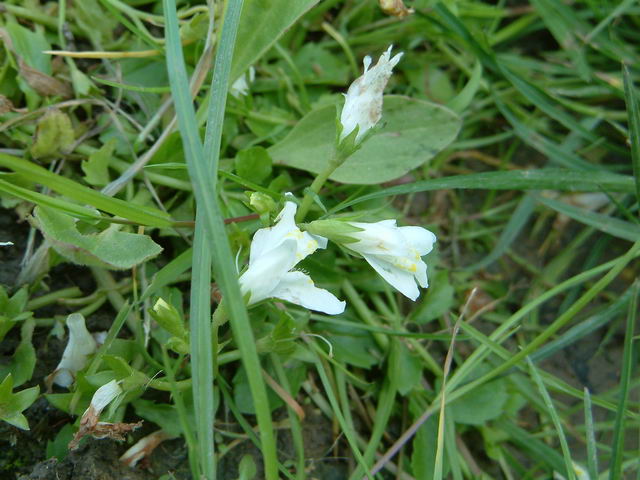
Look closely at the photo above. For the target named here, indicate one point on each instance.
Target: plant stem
(317, 184)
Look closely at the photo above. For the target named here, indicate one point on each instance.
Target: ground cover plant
(319, 239)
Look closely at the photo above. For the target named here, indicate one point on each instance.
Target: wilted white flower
(90, 423)
(144, 447)
(274, 253)
(241, 86)
(80, 345)
(106, 394)
(394, 252)
(6, 244)
(363, 102)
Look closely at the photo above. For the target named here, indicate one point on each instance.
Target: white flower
(103, 397)
(144, 447)
(240, 87)
(80, 345)
(6, 244)
(363, 103)
(274, 253)
(394, 252)
(90, 423)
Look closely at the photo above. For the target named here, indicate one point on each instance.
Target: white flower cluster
(394, 252)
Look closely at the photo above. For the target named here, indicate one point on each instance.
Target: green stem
(317, 185)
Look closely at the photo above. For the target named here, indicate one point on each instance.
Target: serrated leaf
(13, 404)
(96, 171)
(411, 132)
(29, 45)
(108, 249)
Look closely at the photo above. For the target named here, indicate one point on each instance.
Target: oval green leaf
(412, 132)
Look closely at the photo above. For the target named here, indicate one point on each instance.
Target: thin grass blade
(204, 184)
(633, 111)
(615, 465)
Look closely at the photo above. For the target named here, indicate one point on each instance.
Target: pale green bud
(337, 231)
(262, 203)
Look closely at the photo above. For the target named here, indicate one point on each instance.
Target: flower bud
(363, 103)
(262, 203)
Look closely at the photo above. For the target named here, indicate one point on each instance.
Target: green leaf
(481, 404)
(423, 457)
(109, 249)
(411, 133)
(58, 447)
(12, 310)
(30, 45)
(253, 164)
(210, 245)
(437, 301)
(409, 370)
(13, 404)
(96, 171)
(23, 360)
(164, 415)
(261, 24)
(54, 134)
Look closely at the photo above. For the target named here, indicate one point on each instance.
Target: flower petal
(418, 238)
(265, 272)
(380, 238)
(401, 280)
(298, 288)
(79, 346)
(267, 239)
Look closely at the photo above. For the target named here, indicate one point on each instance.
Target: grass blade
(514, 226)
(615, 466)
(568, 463)
(210, 214)
(616, 267)
(543, 179)
(135, 213)
(592, 448)
(604, 223)
(633, 111)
